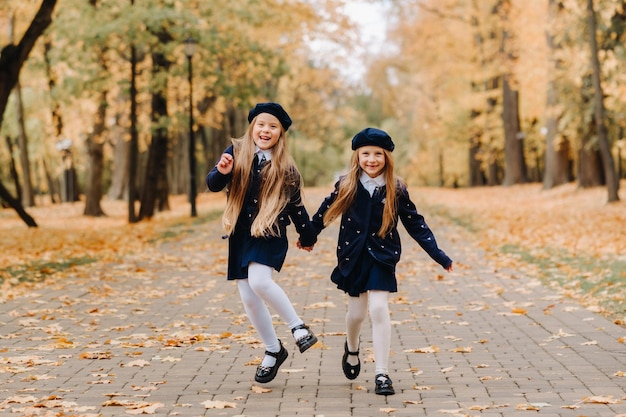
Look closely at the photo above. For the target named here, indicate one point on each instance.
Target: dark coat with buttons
(360, 224)
(244, 248)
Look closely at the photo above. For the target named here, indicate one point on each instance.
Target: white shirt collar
(370, 183)
(267, 153)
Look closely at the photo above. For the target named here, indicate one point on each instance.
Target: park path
(163, 333)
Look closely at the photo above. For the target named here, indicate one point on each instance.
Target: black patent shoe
(384, 386)
(350, 371)
(265, 374)
(306, 341)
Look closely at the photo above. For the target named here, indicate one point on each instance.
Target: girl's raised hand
(225, 164)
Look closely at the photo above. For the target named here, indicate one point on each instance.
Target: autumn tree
(612, 181)
(557, 146)
(12, 59)
(515, 164)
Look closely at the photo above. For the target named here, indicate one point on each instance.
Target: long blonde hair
(347, 193)
(280, 179)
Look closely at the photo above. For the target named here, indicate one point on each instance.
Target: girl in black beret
(370, 199)
(264, 196)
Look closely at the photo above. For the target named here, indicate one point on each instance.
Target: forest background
(99, 105)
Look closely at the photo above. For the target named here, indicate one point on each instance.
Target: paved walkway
(163, 332)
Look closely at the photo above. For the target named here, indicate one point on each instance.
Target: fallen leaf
(144, 408)
(429, 349)
(467, 349)
(260, 390)
(140, 363)
(600, 400)
(218, 404)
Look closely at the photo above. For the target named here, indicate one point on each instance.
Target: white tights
(258, 290)
(381, 326)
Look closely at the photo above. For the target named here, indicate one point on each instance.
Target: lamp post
(190, 49)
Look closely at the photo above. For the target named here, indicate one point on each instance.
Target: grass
(37, 271)
(585, 276)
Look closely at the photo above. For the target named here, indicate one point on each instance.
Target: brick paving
(163, 333)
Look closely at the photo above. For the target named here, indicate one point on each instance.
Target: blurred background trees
(494, 92)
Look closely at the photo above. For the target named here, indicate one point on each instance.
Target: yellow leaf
(260, 390)
(467, 349)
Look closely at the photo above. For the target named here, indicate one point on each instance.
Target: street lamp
(190, 49)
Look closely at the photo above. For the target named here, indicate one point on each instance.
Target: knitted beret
(371, 136)
(274, 109)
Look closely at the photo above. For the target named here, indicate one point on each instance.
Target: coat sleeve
(300, 217)
(318, 218)
(215, 180)
(417, 228)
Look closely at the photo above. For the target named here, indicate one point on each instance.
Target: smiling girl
(369, 199)
(264, 196)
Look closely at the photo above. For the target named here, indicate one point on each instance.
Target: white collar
(371, 184)
(267, 154)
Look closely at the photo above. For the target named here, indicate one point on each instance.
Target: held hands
(225, 164)
(306, 248)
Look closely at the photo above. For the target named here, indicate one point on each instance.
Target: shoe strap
(299, 327)
(275, 354)
(352, 353)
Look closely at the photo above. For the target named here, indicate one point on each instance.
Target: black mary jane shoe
(384, 386)
(350, 371)
(307, 341)
(265, 374)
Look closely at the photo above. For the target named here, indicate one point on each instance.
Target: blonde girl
(264, 197)
(370, 199)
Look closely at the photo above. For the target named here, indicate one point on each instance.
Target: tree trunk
(13, 169)
(599, 114)
(515, 164)
(57, 118)
(493, 170)
(557, 147)
(15, 204)
(590, 172)
(26, 193)
(27, 197)
(11, 61)
(134, 139)
(476, 174)
(121, 158)
(155, 190)
(95, 150)
(52, 188)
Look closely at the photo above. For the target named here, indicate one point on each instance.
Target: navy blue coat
(360, 224)
(243, 248)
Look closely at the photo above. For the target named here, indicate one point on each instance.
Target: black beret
(274, 109)
(371, 136)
